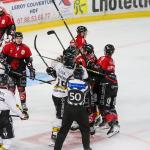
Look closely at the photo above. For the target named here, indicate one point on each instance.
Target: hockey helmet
(89, 48)
(81, 29)
(71, 50)
(109, 49)
(78, 73)
(68, 61)
(18, 34)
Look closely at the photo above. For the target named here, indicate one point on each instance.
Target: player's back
(63, 73)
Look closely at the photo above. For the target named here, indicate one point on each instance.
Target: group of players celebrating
(100, 98)
(84, 95)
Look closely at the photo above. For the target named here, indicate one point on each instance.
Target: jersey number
(75, 96)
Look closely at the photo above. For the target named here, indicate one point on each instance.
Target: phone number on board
(34, 18)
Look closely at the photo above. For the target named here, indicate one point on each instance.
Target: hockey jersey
(63, 73)
(80, 41)
(16, 55)
(8, 102)
(5, 21)
(77, 90)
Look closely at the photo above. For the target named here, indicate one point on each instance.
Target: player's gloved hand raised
(32, 73)
(50, 71)
(25, 115)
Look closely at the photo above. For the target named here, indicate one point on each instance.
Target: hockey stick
(95, 72)
(39, 52)
(14, 116)
(50, 58)
(53, 32)
(19, 74)
(62, 18)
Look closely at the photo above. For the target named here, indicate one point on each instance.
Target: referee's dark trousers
(78, 114)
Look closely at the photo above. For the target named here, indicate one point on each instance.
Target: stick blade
(51, 32)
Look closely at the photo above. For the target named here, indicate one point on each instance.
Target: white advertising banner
(35, 11)
(118, 6)
(100, 7)
(28, 12)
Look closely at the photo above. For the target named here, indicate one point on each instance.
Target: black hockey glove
(50, 71)
(32, 73)
(7, 69)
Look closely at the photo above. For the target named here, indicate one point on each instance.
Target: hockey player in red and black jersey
(80, 39)
(86, 59)
(107, 90)
(7, 25)
(16, 56)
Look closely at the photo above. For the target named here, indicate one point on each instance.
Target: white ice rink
(132, 57)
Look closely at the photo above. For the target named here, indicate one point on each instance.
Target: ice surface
(132, 57)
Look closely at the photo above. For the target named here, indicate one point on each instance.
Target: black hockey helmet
(68, 61)
(78, 73)
(81, 29)
(89, 48)
(71, 50)
(109, 49)
(18, 34)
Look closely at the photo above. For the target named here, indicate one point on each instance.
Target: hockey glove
(50, 71)
(7, 69)
(32, 73)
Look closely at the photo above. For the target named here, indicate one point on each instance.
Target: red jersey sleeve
(6, 49)
(27, 50)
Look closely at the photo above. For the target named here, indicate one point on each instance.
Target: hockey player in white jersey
(60, 71)
(7, 104)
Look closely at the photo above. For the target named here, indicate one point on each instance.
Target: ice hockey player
(72, 51)
(80, 39)
(74, 109)
(108, 87)
(7, 25)
(7, 104)
(81, 36)
(16, 56)
(61, 71)
(91, 58)
(86, 59)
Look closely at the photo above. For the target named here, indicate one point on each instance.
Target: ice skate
(114, 129)
(55, 131)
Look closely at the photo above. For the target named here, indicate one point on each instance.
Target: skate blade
(112, 134)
